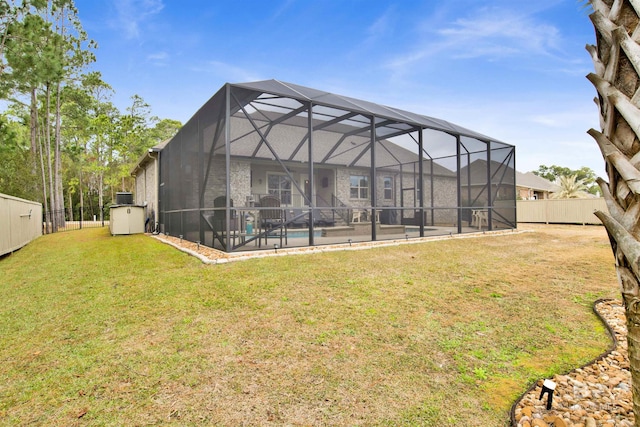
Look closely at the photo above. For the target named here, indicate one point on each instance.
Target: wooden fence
(560, 211)
(20, 223)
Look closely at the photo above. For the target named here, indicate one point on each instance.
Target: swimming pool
(303, 233)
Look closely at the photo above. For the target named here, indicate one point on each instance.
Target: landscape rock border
(599, 387)
(214, 256)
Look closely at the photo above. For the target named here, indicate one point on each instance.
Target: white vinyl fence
(560, 211)
(20, 222)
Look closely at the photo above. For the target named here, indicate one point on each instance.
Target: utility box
(124, 198)
(126, 219)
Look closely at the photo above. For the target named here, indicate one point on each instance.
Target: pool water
(303, 233)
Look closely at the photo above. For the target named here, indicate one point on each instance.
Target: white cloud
(282, 9)
(381, 26)
(492, 28)
(491, 33)
(228, 72)
(563, 119)
(131, 14)
(158, 58)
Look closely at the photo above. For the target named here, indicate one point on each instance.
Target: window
(280, 186)
(388, 188)
(359, 187)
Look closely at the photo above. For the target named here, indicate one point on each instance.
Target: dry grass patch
(128, 331)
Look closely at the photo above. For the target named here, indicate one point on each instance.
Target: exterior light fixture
(275, 247)
(548, 387)
(350, 241)
(198, 245)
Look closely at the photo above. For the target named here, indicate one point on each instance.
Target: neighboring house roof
(476, 171)
(535, 182)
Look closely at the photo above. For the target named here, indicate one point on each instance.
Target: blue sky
(511, 69)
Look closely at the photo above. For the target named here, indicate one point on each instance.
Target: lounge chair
(298, 218)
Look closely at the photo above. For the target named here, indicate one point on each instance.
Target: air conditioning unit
(124, 198)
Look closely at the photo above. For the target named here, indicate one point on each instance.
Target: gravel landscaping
(598, 394)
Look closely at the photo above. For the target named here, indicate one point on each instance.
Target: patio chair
(483, 219)
(217, 221)
(356, 215)
(474, 218)
(479, 217)
(271, 219)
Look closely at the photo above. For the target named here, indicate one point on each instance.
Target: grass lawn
(112, 331)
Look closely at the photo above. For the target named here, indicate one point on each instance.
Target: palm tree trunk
(616, 59)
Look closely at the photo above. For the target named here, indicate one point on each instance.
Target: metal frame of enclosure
(273, 165)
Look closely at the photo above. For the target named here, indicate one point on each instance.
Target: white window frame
(362, 190)
(389, 188)
(280, 190)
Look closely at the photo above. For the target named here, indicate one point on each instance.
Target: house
(489, 182)
(261, 158)
(533, 187)
(146, 173)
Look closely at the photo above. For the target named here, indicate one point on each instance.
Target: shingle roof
(284, 141)
(146, 157)
(535, 182)
(318, 97)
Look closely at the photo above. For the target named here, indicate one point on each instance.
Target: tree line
(62, 140)
(577, 183)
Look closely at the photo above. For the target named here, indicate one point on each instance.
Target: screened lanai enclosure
(269, 165)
